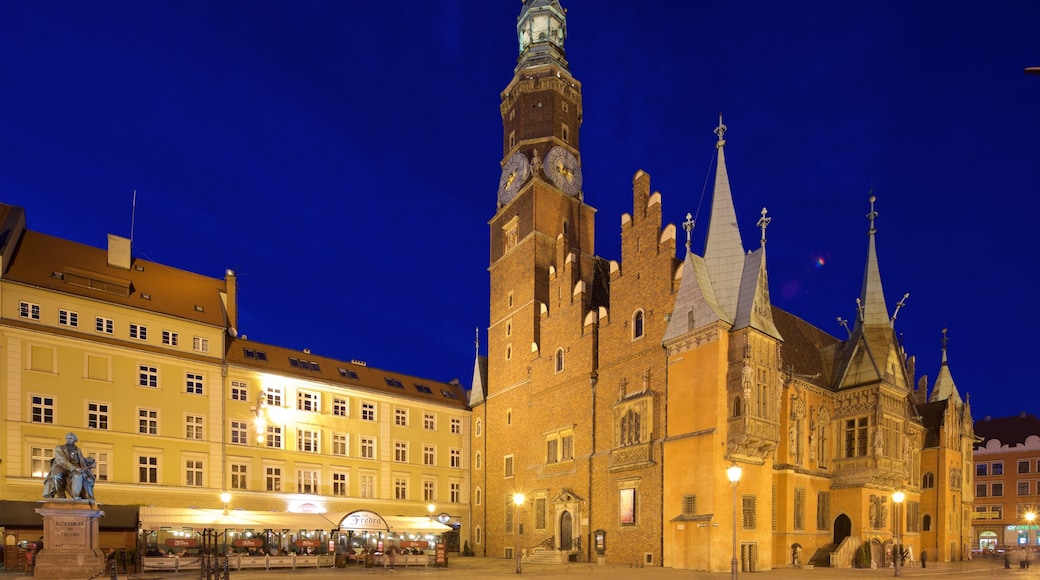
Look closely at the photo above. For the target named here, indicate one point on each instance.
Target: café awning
(154, 518)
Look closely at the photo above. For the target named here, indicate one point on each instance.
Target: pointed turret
(695, 304)
(753, 306)
(478, 389)
(723, 249)
(944, 388)
(873, 353)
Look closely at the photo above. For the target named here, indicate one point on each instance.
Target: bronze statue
(71, 473)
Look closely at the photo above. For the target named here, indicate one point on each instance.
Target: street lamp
(225, 498)
(733, 475)
(898, 498)
(431, 508)
(1030, 518)
(518, 500)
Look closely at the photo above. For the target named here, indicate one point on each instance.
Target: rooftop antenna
(133, 214)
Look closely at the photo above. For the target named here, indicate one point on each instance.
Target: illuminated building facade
(143, 362)
(616, 393)
(1007, 482)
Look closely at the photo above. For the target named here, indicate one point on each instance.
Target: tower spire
(723, 248)
(871, 303)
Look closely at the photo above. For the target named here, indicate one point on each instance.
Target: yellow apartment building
(142, 362)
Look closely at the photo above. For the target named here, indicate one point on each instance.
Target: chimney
(118, 252)
(231, 301)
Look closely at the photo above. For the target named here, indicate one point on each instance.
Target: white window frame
(239, 432)
(456, 426)
(308, 480)
(28, 310)
(194, 383)
(239, 391)
(170, 338)
(149, 469)
(367, 447)
(400, 451)
(199, 344)
(42, 410)
(456, 458)
(308, 440)
(368, 411)
(194, 472)
(341, 444)
(340, 407)
(429, 455)
(274, 437)
(401, 417)
(273, 478)
(367, 489)
(194, 427)
(98, 415)
(308, 401)
(104, 325)
(239, 475)
(148, 421)
(68, 318)
(147, 376)
(429, 421)
(340, 483)
(138, 331)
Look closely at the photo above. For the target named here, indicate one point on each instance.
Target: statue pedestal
(70, 539)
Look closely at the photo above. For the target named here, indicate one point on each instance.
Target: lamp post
(898, 498)
(225, 498)
(733, 475)
(518, 500)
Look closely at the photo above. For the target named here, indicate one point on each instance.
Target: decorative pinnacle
(872, 215)
(762, 223)
(899, 305)
(945, 339)
(688, 226)
(721, 131)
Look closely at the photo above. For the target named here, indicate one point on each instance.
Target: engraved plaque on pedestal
(71, 531)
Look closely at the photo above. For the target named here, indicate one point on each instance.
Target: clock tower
(545, 280)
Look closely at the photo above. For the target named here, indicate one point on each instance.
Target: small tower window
(566, 133)
(637, 324)
(738, 409)
(559, 360)
(512, 139)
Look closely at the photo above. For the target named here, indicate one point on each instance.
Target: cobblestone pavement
(499, 568)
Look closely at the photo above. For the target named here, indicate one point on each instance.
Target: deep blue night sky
(343, 157)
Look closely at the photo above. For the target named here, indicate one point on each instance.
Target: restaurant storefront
(184, 539)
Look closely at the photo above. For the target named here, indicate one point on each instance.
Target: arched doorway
(565, 530)
(842, 528)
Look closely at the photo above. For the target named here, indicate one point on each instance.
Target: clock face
(514, 174)
(564, 170)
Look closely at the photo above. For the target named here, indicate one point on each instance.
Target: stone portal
(70, 539)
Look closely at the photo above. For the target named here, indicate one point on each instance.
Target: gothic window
(630, 428)
(559, 360)
(856, 437)
(637, 324)
(748, 512)
(926, 523)
(928, 481)
(737, 407)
